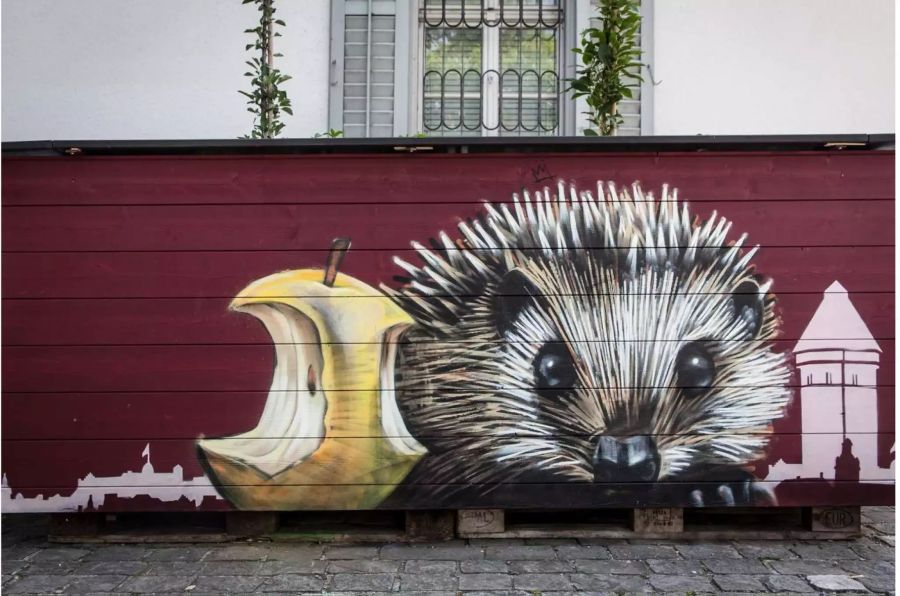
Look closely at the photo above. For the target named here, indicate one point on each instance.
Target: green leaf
(590, 133)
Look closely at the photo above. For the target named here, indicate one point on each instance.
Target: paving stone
(81, 584)
(243, 552)
(736, 566)
(889, 540)
(541, 581)
(294, 583)
(230, 568)
(485, 581)
(678, 583)
(583, 552)
(434, 553)
(608, 583)
(868, 567)
(675, 566)
(430, 566)
(52, 568)
(836, 583)
(739, 583)
(548, 566)
(185, 568)
(551, 541)
(295, 552)
(12, 567)
(708, 551)
(62, 553)
(377, 582)
(40, 584)
(873, 549)
(363, 566)
(181, 553)
(765, 550)
(885, 527)
(351, 552)
(483, 566)
(18, 553)
(878, 514)
(496, 541)
(787, 583)
(519, 553)
(878, 583)
(156, 583)
(134, 552)
(800, 567)
(826, 551)
(427, 593)
(616, 567)
(293, 567)
(227, 583)
(639, 552)
(112, 568)
(428, 581)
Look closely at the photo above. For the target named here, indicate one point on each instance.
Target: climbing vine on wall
(610, 64)
(266, 100)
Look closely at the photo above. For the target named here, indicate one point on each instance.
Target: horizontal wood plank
(208, 321)
(417, 178)
(212, 275)
(174, 415)
(311, 228)
(153, 368)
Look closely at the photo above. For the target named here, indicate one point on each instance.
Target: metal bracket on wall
(413, 149)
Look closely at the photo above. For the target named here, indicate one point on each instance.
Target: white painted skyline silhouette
(93, 490)
(837, 358)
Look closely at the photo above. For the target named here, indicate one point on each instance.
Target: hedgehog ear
(514, 293)
(747, 301)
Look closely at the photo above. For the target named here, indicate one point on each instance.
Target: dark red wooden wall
(117, 272)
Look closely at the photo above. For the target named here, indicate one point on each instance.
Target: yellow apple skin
(354, 466)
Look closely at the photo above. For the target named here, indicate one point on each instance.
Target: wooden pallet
(429, 526)
(662, 523)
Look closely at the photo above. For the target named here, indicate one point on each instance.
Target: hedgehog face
(641, 378)
(589, 340)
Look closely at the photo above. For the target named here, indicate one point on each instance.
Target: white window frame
(409, 67)
(490, 61)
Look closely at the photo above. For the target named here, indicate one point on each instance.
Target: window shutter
(367, 73)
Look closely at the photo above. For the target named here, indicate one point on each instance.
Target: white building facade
(171, 69)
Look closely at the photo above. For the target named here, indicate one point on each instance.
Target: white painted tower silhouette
(837, 359)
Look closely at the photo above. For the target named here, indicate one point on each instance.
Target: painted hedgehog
(574, 338)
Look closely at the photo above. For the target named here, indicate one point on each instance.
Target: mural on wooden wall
(568, 348)
(604, 339)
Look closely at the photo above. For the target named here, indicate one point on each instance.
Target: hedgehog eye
(695, 369)
(554, 368)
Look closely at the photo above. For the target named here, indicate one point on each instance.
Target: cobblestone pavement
(527, 567)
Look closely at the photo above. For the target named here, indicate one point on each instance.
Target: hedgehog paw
(741, 492)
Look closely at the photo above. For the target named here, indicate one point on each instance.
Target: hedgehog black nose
(629, 459)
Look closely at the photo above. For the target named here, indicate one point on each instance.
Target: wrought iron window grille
(471, 85)
(473, 15)
(487, 92)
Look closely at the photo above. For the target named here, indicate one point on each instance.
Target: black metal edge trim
(647, 144)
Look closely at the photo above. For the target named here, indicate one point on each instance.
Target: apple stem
(339, 247)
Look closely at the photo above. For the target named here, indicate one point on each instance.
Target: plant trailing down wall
(266, 100)
(610, 62)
